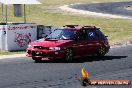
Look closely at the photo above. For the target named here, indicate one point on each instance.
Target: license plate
(45, 58)
(38, 53)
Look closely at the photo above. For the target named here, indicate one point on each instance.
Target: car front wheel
(69, 55)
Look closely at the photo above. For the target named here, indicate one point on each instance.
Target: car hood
(51, 42)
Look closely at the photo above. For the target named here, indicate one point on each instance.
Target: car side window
(91, 34)
(81, 35)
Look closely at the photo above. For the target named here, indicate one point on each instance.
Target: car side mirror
(106, 36)
(77, 38)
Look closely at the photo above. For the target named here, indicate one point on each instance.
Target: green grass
(11, 53)
(48, 14)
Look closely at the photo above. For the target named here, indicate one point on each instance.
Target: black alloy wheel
(69, 55)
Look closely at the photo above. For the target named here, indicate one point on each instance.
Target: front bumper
(50, 54)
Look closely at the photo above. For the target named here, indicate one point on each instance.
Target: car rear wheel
(101, 51)
(69, 55)
(37, 60)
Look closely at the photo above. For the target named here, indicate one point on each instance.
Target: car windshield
(62, 34)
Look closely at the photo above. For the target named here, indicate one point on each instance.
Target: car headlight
(30, 46)
(54, 48)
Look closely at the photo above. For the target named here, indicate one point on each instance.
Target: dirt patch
(122, 43)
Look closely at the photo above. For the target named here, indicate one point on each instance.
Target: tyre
(69, 55)
(37, 60)
(101, 51)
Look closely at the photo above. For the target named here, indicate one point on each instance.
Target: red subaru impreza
(68, 42)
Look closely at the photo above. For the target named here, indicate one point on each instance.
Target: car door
(80, 43)
(92, 41)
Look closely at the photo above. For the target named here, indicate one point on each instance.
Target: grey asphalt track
(114, 8)
(24, 73)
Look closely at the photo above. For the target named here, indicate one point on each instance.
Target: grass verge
(11, 53)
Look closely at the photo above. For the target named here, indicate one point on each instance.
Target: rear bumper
(50, 54)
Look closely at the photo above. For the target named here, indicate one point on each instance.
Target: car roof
(77, 27)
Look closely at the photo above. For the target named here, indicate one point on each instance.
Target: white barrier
(17, 36)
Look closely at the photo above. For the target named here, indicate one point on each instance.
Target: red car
(68, 42)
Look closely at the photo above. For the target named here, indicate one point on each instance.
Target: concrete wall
(17, 36)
